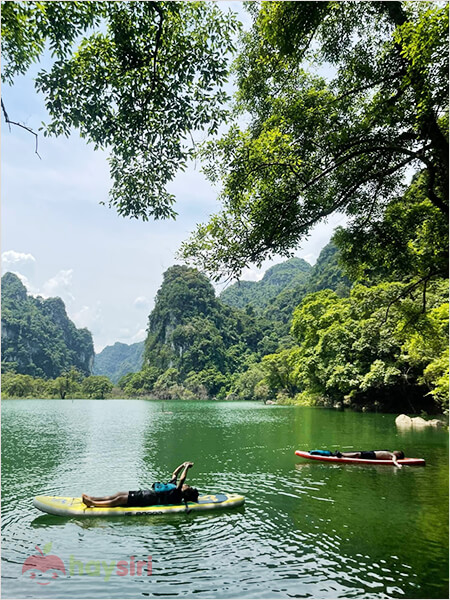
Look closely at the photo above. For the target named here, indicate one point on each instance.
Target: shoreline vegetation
(100, 388)
(364, 347)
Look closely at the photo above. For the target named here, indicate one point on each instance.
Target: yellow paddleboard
(69, 507)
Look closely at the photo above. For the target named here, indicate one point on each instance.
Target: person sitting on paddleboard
(374, 455)
(161, 493)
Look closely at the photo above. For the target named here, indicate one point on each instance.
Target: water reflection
(307, 529)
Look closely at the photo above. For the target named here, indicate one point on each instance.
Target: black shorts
(142, 498)
(368, 454)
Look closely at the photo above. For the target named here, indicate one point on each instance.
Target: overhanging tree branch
(8, 120)
(412, 287)
(157, 43)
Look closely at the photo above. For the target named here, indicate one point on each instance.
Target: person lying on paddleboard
(374, 455)
(161, 493)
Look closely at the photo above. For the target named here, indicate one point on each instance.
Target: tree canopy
(366, 349)
(408, 242)
(344, 100)
(143, 79)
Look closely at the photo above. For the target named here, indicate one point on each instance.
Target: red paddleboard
(359, 461)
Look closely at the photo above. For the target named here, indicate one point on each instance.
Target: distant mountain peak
(38, 338)
(118, 360)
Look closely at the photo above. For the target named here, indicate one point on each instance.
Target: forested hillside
(327, 273)
(285, 285)
(386, 345)
(259, 294)
(38, 338)
(195, 342)
(118, 360)
(373, 339)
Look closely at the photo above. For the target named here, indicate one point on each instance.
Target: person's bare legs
(119, 499)
(103, 498)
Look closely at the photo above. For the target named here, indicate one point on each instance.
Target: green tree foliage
(251, 384)
(28, 26)
(118, 360)
(210, 381)
(96, 386)
(143, 79)
(376, 347)
(68, 385)
(408, 242)
(16, 385)
(436, 377)
(426, 349)
(280, 369)
(168, 386)
(282, 288)
(38, 338)
(140, 383)
(315, 145)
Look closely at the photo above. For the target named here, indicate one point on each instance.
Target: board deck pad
(359, 461)
(67, 507)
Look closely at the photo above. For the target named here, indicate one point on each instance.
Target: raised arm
(177, 470)
(186, 467)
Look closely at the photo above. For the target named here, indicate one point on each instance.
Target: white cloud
(139, 336)
(90, 317)
(59, 285)
(126, 336)
(310, 258)
(11, 257)
(18, 261)
(252, 274)
(141, 303)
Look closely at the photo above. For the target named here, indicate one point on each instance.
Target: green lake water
(308, 529)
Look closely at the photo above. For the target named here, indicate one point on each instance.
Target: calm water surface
(307, 529)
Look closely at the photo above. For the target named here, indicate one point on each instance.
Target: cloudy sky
(61, 242)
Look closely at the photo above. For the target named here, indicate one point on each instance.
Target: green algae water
(308, 529)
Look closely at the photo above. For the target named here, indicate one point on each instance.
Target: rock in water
(403, 421)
